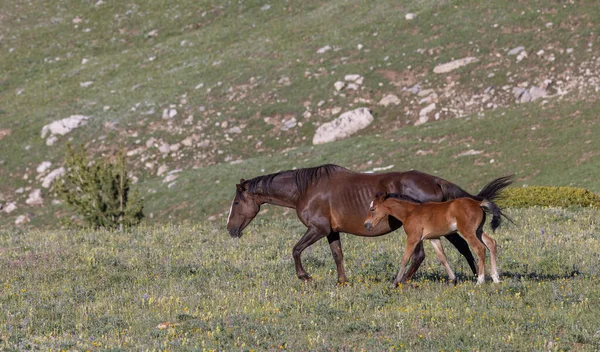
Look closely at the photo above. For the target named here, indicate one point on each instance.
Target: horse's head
(243, 209)
(376, 211)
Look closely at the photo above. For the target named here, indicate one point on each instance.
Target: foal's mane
(303, 178)
(402, 197)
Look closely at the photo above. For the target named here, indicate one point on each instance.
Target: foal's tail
(491, 208)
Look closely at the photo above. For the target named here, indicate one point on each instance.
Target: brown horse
(430, 221)
(330, 199)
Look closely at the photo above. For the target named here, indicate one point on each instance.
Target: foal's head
(243, 209)
(376, 211)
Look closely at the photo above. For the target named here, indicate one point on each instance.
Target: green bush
(99, 192)
(550, 196)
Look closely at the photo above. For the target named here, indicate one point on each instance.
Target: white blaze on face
(230, 211)
(371, 205)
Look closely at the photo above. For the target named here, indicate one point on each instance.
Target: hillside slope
(223, 90)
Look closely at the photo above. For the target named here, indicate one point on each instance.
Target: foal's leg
(415, 261)
(441, 256)
(338, 256)
(411, 244)
(469, 235)
(490, 243)
(311, 236)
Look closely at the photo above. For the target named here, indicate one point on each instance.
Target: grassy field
(253, 64)
(192, 287)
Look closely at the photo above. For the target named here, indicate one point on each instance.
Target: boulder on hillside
(344, 126)
(49, 179)
(62, 127)
(389, 99)
(35, 197)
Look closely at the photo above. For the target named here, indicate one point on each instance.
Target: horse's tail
(491, 208)
(492, 190)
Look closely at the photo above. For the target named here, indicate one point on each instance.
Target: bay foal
(437, 219)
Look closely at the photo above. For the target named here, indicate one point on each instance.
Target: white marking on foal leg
(495, 278)
(480, 279)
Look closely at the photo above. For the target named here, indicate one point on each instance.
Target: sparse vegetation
(100, 192)
(549, 196)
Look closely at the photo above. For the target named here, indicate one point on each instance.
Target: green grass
(240, 51)
(78, 290)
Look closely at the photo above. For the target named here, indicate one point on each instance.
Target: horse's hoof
(305, 278)
(343, 283)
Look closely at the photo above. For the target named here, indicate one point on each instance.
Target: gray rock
(164, 148)
(162, 169)
(289, 124)
(389, 99)
(10, 207)
(537, 93)
(516, 51)
(469, 152)
(35, 197)
(170, 178)
(339, 85)
(53, 175)
(22, 219)
(235, 129)
(62, 127)
(453, 65)
(324, 49)
(345, 125)
(410, 16)
(43, 167)
(352, 77)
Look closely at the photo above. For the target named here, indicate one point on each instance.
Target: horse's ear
(240, 186)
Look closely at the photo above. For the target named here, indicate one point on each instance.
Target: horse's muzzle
(235, 233)
(368, 226)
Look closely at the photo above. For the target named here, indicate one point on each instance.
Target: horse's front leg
(338, 256)
(311, 236)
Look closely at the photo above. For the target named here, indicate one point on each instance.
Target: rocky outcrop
(344, 126)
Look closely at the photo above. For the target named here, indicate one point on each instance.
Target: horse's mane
(402, 197)
(302, 177)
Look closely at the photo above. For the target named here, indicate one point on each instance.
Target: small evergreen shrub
(550, 196)
(99, 191)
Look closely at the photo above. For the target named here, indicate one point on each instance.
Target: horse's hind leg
(490, 243)
(463, 248)
(336, 251)
(411, 244)
(441, 256)
(311, 236)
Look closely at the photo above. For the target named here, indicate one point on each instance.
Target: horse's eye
(373, 209)
(236, 203)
